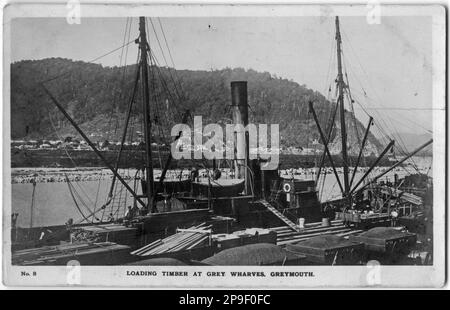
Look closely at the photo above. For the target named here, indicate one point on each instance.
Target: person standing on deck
(194, 174)
(394, 216)
(14, 217)
(111, 218)
(134, 211)
(69, 223)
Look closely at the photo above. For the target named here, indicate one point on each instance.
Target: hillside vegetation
(97, 98)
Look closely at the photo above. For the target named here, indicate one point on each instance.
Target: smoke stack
(239, 102)
(239, 106)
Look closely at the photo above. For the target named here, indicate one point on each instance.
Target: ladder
(278, 214)
(274, 196)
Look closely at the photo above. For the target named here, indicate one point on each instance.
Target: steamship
(259, 216)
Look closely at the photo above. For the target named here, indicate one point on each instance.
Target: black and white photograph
(217, 146)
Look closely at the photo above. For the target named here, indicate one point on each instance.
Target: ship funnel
(239, 107)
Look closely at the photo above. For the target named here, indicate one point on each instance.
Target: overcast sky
(390, 62)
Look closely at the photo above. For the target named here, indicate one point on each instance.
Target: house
(45, 146)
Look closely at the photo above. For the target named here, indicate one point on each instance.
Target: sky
(388, 64)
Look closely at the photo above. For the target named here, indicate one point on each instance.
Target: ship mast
(144, 48)
(341, 85)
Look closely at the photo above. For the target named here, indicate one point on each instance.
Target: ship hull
(219, 188)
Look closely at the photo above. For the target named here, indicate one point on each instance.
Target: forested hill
(97, 98)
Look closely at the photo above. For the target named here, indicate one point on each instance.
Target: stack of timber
(106, 233)
(285, 235)
(102, 253)
(329, 250)
(157, 222)
(184, 243)
(362, 218)
(222, 224)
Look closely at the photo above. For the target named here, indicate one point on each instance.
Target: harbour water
(53, 203)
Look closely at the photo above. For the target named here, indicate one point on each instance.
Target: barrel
(301, 223)
(325, 222)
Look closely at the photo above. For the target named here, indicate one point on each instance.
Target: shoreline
(26, 175)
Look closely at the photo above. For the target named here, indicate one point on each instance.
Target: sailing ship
(154, 190)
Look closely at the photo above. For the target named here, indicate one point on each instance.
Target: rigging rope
(401, 145)
(73, 162)
(124, 71)
(165, 60)
(164, 83)
(75, 200)
(367, 77)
